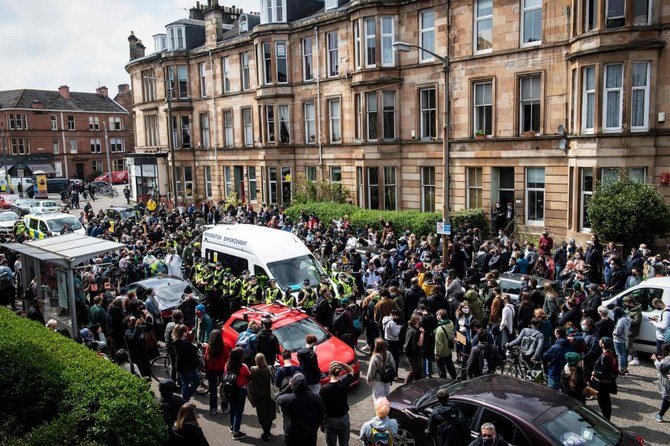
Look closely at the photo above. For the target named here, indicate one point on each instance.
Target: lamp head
(402, 46)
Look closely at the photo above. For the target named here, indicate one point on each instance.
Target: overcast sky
(81, 43)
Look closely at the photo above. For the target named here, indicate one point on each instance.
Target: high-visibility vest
(272, 294)
(310, 297)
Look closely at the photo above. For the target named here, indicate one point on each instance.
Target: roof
(265, 243)
(187, 22)
(280, 314)
(73, 249)
(52, 100)
(253, 20)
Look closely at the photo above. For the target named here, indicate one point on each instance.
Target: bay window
(284, 132)
(370, 42)
(613, 98)
(588, 99)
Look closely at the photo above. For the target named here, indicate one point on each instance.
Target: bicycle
(108, 191)
(161, 368)
(515, 365)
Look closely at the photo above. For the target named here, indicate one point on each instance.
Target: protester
(381, 371)
(303, 412)
(603, 378)
(239, 373)
(187, 361)
(260, 394)
(380, 430)
(309, 364)
(186, 431)
(446, 423)
(215, 356)
(662, 364)
(334, 395)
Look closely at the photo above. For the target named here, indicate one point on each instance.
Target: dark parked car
(169, 291)
(22, 206)
(524, 413)
(122, 212)
(511, 283)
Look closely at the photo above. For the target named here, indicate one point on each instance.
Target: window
(534, 194)
(370, 42)
(637, 174)
(228, 133)
(55, 145)
(474, 179)
(208, 181)
(286, 193)
(204, 130)
(70, 123)
(390, 189)
(388, 118)
(267, 62)
(331, 4)
(73, 145)
(272, 184)
(148, 86)
(428, 189)
(58, 167)
(588, 99)
(640, 97)
(225, 71)
(502, 178)
(590, 15)
(244, 64)
(170, 87)
(116, 145)
(530, 104)
(616, 13)
(20, 146)
(282, 64)
(333, 56)
(335, 120)
(609, 174)
(93, 123)
(270, 124)
(188, 180)
(150, 130)
(358, 116)
(531, 22)
(483, 25)
(181, 131)
(573, 100)
(642, 12)
(371, 109)
(310, 173)
(118, 165)
(284, 133)
(505, 428)
(202, 75)
(96, 147)
(357, 43)
(613, 97)
(360, 185)
(388, 55)
(586, 192)
(248, 128)
(483, 109)
(251, 178)
(335, 174)
(115, 123)
(54, 122)
(244, 22)
(373, 187)
(273, 11)
(182, 77)
(428, 113)
(310, 123)
(307, 74)
(176, 38)
(97, 166)
(427, 35)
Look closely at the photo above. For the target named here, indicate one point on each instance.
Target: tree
(628, 212)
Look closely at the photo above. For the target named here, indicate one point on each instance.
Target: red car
(291, 325)
(118, 177)
(5, 202)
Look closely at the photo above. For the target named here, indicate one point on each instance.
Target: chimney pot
(64, 91)
(102, 91)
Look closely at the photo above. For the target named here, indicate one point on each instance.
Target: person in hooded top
(303, 412)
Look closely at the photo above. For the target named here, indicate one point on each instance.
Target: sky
(81, 43)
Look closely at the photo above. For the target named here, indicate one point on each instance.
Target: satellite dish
(561, 130)
(563, 144)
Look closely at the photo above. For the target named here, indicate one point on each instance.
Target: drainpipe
(318, 100)
(62, 131)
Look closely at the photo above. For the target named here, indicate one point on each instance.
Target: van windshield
(291, 273)
(56, 224)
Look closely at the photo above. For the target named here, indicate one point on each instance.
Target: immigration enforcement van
(263, 251)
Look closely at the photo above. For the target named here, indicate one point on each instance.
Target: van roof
(265, 243)
(51, 215)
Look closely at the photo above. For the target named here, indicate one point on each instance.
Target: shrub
(307, 191)
(628, 212)
(55, 391)
(475, 217)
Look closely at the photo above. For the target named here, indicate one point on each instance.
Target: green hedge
(475, 217)
(54, 391)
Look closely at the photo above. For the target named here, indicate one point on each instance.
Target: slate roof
(252, 21)
(187, 22)
(52, 100)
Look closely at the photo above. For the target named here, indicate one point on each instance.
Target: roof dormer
(176, 37)
(244, 23)
(273, 11)
(160, 42)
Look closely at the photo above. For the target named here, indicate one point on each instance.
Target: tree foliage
(628, 212)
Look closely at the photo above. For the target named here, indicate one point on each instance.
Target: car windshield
(580, 426)
(292, 336)
(431, 395)
(27, 203)
(56, 225)
(47, 204)
(8, 216)
(126, 214)
(291, 273)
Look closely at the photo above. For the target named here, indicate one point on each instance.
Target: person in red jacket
(216, 356)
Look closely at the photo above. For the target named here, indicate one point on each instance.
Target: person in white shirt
(392, 326)
(507, 320)
(174, 262)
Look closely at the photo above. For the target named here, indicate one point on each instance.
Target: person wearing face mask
(531, 341)
(444, 340)
(489, 437)
(464, 318)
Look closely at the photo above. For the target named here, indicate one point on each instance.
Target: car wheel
(405, 437)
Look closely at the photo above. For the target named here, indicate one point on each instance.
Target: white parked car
(44, 207)
(7, 220)
(644, 293)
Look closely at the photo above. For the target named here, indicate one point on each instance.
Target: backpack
(386, 371)
(380, 437)
(453, 428)
(228, 384)
(528, 345)
(338, 325)
(247, 342)
(5, 280)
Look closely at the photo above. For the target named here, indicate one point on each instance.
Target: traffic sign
(443, 229)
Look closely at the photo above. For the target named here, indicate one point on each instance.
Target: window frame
(281, 122)
(646, 89)
(228, 125)
(371, 116)
(357, 44)
(205, 131)
(335, 122)
(370, 42)
(94, 124)
(390, 174)
(369, 187)
(477, 21)
(283, 58)
(590, 15)
(422, 112)
(650, 10)
(388, 112)
(202, 76)
(54, 122)
(245, 71)
(333, 52)
(207, 171)
(425, 57)
(607, 90)
(244, 23)
(115, 123)
(427, 186)
(530, 101)
(522, 25)
(151, 130)
(252, 179)
(226, 84)
(620, 19)
(309, 122)
(335, 171)
(71, 123)
(96, 145)
(330, 4)
(583, 194)
(266, 56)
(389, 43)
(475, 106)
(247, 126)
(528, 190)
(474, 172)
(182, 83)
(20, 146)
(117, 145)
(307, 49)
(585, 97)
(358, 116)
(270, 124)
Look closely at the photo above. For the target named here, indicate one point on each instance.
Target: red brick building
(63, 132)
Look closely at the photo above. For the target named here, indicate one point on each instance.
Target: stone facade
(518, 71)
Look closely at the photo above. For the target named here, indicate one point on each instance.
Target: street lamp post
(446, 144)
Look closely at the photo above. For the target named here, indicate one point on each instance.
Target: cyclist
(531, 341)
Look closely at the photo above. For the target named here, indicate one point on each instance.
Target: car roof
(523, 399)
(281, 315)
(158, 281)
(519, 277)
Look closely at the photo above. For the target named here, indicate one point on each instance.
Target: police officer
(253, 294)
(272, 293)
(216, 293)
(307, 296)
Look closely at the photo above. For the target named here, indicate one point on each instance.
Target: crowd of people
(387, 291)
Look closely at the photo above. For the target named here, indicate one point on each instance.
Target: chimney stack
(37, 104)
(135, 46)
(64, 91)
(213, 26)
(124, 88)
(102, 91)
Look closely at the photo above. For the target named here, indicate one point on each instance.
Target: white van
(263, 251)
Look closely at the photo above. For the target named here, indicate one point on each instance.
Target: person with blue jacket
(555, 357)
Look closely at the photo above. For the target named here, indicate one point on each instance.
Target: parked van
(54, 185)
(263, 251)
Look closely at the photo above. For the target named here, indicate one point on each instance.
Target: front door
(79, 167)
